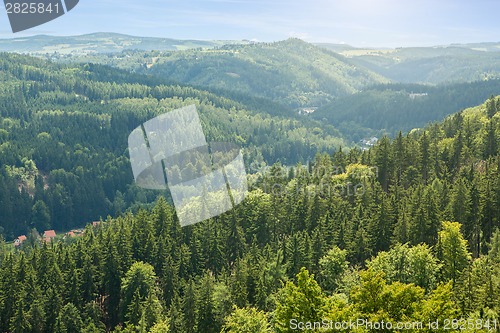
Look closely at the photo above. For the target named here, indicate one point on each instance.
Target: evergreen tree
(205, 306)
(40, 216)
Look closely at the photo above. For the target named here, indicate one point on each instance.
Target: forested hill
(406, 232)
(291, 72)
(64, 129)
(402, 107)
(432, 65)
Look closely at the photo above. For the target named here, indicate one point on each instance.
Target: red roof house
(19, 240)
(49, 235)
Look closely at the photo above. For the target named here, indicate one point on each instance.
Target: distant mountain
(291, 72)
(487, 47)
(99, 43)
(434, 65)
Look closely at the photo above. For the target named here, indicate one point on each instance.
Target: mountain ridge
(99, 42)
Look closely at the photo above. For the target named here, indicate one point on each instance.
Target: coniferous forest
(406, 232)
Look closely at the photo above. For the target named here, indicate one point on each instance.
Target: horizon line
(253, 40)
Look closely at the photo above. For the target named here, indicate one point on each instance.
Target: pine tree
(40, 216)
(189, 309)
(205, 306)
(138, 284)
(383, 161)
(69, 320)
(19, 322)
(490, 142)
(491, 107)
(399, 153)
(424, 158)
(36, 317)
(176, 318)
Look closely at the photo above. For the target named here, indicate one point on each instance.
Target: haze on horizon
(362, 23)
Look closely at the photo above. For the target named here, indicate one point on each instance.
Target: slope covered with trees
(64, 130)
(432, 65)
(404, 232)
(296, 74)
(401, 107)
(292, 72)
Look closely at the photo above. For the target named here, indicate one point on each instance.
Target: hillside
(417, 242)
(291, 72)
(434, 65)
(246, 65)
(402, 107)
(64, 130)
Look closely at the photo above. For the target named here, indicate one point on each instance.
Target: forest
(406, 232)
(290, 72)
(64, 129)
(381, 92)
(390, 108)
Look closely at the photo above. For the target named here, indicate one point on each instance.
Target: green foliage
(280, 71)
(452, 250)
(206, 309)
(332, 266)
(494, 252)
(438, 306)
(394, 107)
(331, 217)
(303, 302)
(160, 327)
(374, 300)
(69, 320)
(40, 216)
(405, 264)
(247, 320)
(139, 295)
(71, 124)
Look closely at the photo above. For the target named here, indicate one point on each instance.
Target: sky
(362, 23)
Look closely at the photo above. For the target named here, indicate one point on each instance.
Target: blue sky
(388, 23)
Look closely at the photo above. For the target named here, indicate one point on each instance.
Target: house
(74, 233)
(49, 235)
(19, 240)
(78, 232)
(95, 224)
(307, 111)
(367, 143)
